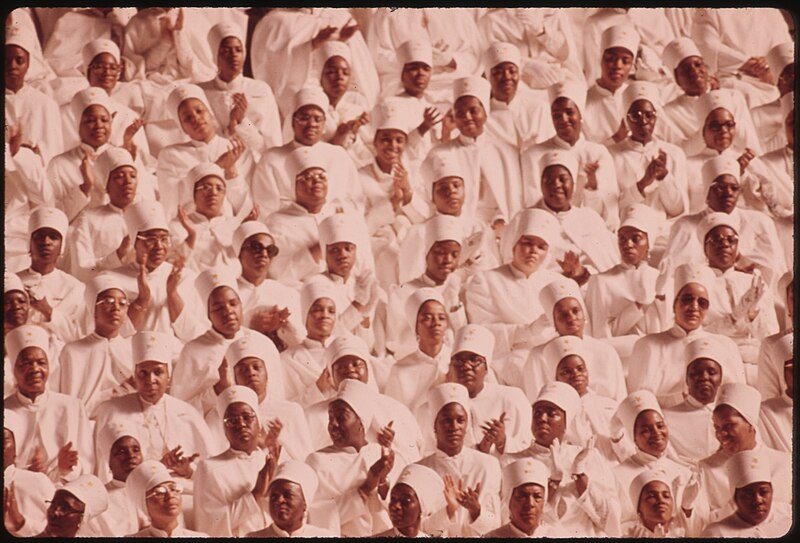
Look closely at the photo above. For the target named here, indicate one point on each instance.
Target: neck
(345, 276)
(43, 267)
(475, 390)
(292, 527)
(253, 277)
(410, 531)
(227, 77)
(14, 88)
(450, 450)
(167, 525)
(385, 167)
(527, 529)
(526, 273)
(318, 337)
(572, 140)
(430, 347)
(313, 208)
(414, 93)
(643, 141)
(606, 85)
(229, 335)
(334, 100)
(95, 147)
(357, 444)
(31, 395)
(248, 447)
(106, 332)
(50, 532)
(432, 278)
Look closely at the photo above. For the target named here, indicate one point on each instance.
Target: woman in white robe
(658, 515)
(777, 414)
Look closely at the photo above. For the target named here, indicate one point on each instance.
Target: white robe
(776, 419)
(523, 122)
(270, 294)
(38, 116)
(64, 293)
(377, 187)
(776, 169)
(412, 376)
(306, 530)
(603, 113)
(213, 244)
(122, 517)
(65, 175)
(691, 429)
(302, 366)
(95, 236)
(31, 490)
(770, 382)
(777, 524)
(495, 400)
(179, 531)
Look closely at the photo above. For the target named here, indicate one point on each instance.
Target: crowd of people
(460, 272)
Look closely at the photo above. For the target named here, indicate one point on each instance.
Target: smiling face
(723, 193)
(573, 371)
(287, 505)
(526, 506)
(16, 308)
(470, 116)
(690, 306)
(557, 187)
(196, 121)
(549, 423)
(732, 430)
(152, 380)
(389, 145)
(650, 433)
(230, 58)
(415, 77)
(529, 253)
(225, 311)
(308, 122)
(95, 126)
(719, 129)
(703, 377)
(633, 245)
(448, 195)
(321, 319)
(721, 247)
(340, 258)
(442, 259)
(241, 427)
(655, 504)
(568, 317)
(17, 64)
(567, 119)
(126, 454)
(504, 78)
(31, 370)
(691, 75)
(344, 425)
(753, 502)
(349, 367)
(335, 78)
(450, 428)
(104, 72)
(615, 66)
(404, 509)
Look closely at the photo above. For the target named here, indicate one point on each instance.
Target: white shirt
(31, 489)
(302, 367)
(776, 419)
(412, 376)
(122, 517)
(39, 118)
(269, 294)
(64, 293)
(93, 240)
(777, 524)
(522, 122)
(691, 429)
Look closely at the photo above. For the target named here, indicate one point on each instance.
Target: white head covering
(643, 218)
(361, 399)
(113, 431)
(779, 57)
(11, 282)
(714, 99)
(784, 349)
(712, 220)
(743, 398)
(501, 52)
(246, 230)
(569, 88)
(392, 114)
(558, 348)
(446, 165)
(560, 157)
(427, 485)
(417, 299)
(787, 104)
(17, 35)
(14, 424)
(203, 170)
(303, 158)
(640, 90)
(209, 280)
(630, 408)
(723, 164)
(561, 395)
(220, 31)
(677, 50)
(345, 345)
(446, 393)
(536, 222)
(184, 92)
(313, 291)
(710, 347)
(144, 477)
(144, 216)
(49, 217)
(624, 35)
(298, 472)
(474, 338)
(414, 50)
(100, 283)
(693, 273)
(748, 467)
(334, 48)
(475, 86)
(111, 159)
(557, 290)
(644, 478)
(238, 394)
(261, 347)
(338, 228)
(311, 95)
(98, 47)
(91, 491)
(22, 337)
(155, 346)
(524, 471)
(442, 228)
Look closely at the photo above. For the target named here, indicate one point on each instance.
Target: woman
(74, 506)
(652, 493)
(417, 495)
(777, 414)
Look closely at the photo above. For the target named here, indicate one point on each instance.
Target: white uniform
(39, 118)
(776, 419)
(691, 429)
(523, 122)
(95, 236)
(306, 530)
(31, 490)
(777, 524)
(213, 244)
(603, 113)
(491, 402)
(770, 382)
(179, 531)
(302, 366)
(122, 517)
(412, 376)
(64, 293)
(65, 175)
(268, 294)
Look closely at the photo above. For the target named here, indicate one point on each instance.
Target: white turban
(345, 345)
(392, 114)
(475, 86)
(557, 290)
(715, 99)
(723, 164)
(144, 216)
(334, 48)
(246, 230)
(261, 347)
(183, 92)
(100, 283)
(748, 467)
(640, 90)
(624, 35)
(524, 471)
(442, 228)
(427, 485)
(203, 170)
(571, 89)
(91, 491)
(211, 279)
(238, 394)
(535, 222)
(25, 336)
(111, 159)
(415, 50)
(713, 220)
(474, 338)
(152, 346)
(693, 273)
(643, 218)
(313, 291)
(360, 397)
(563, 396)
(300, 473)
(678, 50)
(311, 95)
(559, 348)
(415, 302)
(98, 47)
(564, 158)
(743, 398)
(144, 477)
(710, 347)
(446, 165)
(502, 52)
(220, 31)
(635, 403)
(21, 37)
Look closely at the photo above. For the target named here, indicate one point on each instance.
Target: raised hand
(67, 458)
(323, 36)
(347, 31)
(12, 517)
(386, 435)
(87, 174)
(468, 498)
(494, 433)
(591, 174)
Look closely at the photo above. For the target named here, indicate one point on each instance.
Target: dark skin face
(241, 427)
(209, 195)
(103, 72)
(321, 319)
(567, 119)
(252, 373)
(17, 64)
(615, 66)
(448, 195)
(31, 370)
(504, 78)
(721, 247)
(152, 380)
(690, 306)
(287, 505)
(733, 431)
(572, 370)
(785, 81)
(308, 123)
(526, 506)
(9, 448)
(704, 376)
(64, 514)
(569, 317)
(121, 186)
(470, 116)
(405, 511)
(230, 58)
(335, 78)
(450, 428)
(311, 189)
(415, 78)
(655, 505)
(641, 119)
(254, 258)
(557, 187)
(650, 433)
(225, 311)
(109, 312)
(549, 423)
(16, 308)
(164, 510)
(340, 258)
(441, 260)
(156, 243)
(349, 367)
(633, 244)
(753, 502)
(470, 370)
(389, 146)
(125, 455)
(195, 119)
(431, 322)
(723, 193)
(45, 249)
(719, 129)
(692, 75)
(344, 426)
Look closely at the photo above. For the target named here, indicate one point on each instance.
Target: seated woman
(417, 495)
(74, 506)
(657, 516)
(777, 414)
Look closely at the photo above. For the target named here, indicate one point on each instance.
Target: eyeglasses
(209, 187)
(151, 241)
(110, 302)
(235, 420)
(720, 240)
(257, 248)
(714, 126)
(64, 507)
(722, 188)
(689, 299)
(466, 360)
(316, 177)
(639, 116)
(162, 491)
(305, 118)
(110, 68)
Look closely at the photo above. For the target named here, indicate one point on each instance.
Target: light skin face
(615, 66)
(321, 319)
(64, 514)
(255, 264)
(121, 186)
(9, 448)
(31, 370)
(103, 72)
(252, 373)
(16, 307)
(572, 370)
(549, 423)
(311, 189)
(344, 426)
(690, 306)
(230, 58)
(431, 322)
(241, 427)
(17, 64)
(389, 146)
(196, 121)
(125, 455)
(692, 75)
(335, 78)
(45, 249)
(650, 433)
(287, 505)
(504, 78)
(340, 258)
(470, 116)
(721, 247)
(633, 245)
(567, 119)
(349, 367)
(450, 428)
(703, 376)
(209, 195)
(569, 317)
(415, 77)
(108, 315)
(152, 380)
(641, 120)
(448, 195)
(95, 126)
(557, 187)
(526, 506)
(733, 432)
(156, 245)
(528, 254)
(719, 129)
(225, 311)
(723, 193)
(655, 505)
(753, 502)
(164, 510)
(469, 370)
(404, 508)
(441, 260)
(308, 123)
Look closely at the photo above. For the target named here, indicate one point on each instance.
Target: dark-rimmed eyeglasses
(257, 248)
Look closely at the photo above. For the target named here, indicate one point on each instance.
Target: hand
(571, 267)
(325, 383)
(227, 160)
(745, 158)
(238, 111)
(451, 291)
(468, 499)
(451, 494)
(400, 179)
(87, 174)
(691, 489)
(179, 464)
(494, 433)
(67, 458)
(191, 232)
(579, 463)
(174, 276)
(141, 279)
(268, 439)
(168, 28)
(591, 175)
(130, 132)
(266, 321)
(378, 471)
(621, 133)
(12, 518)
(264, 475)
(14, 135)
(386, 435)
(347, 31)
(713, 82)
(531, 19)
(749, 301)
(253, 215)
(42, 306)
(323, 36)
(499, 226)
(656, 170)
(442, 58)
(658, 531)
(448, 124)
(124, 247)
(366, 289)
(430, 117)
(38, 460)
(757, 67)
(557, 461)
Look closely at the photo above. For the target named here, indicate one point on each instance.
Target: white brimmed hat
(442, 228)
(144, 477)
(311, 95)
(152, 346)
(748, 467)
(209, 280)
(557, 290)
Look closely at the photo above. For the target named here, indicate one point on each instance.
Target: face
(655, 504)
(344, 426)
(504, 79)
(721, 247)
(152, 380)
(321, 318)
(723, 193)
(103, 72)
(16, 307)
(788, 125)
(415, 77)
(650, 433)
(110, 309)
(9, 448)
(557, 187)
(163, 502)
(450, 427)
(529, 252)
(470, 370)
(432, 322)
(788, 376)
(65, 513)
(31, 370)
(785, 81)
(470, 116)
(256, 255)
(349, 367)
(641, 119)
(719, 129)
(389, 145)
(209, 195)
(335, 77)
(448, 195)
(615, 66)
(308, 122)
(95, 126)
(287, 505)
(733, 432)
(404, 507)
(703, 376)
(549, 422)
(196, 120)
(341, 257)
(633, 245)
(692, 75)
(125, 455)
(567, 119)
(241, 426)
(252, 373)
(568, 317)
(753, 502)
(526, 506)
(225, 311)
(17, 64)
(230, 57)
(45, 246)
(121, 186)
(572, 370)
(311, 188)
(690, 306)
(155, 242)
(442, 259)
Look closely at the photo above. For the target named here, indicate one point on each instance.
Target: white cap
(303, 158)
(715, 99)
(691, 272)
(184, 92)
(246, 230)
(337, 228)
(710, 347)
(624, 35)
(203, 170)
(152, 346)
(21, 37)
(49, 217)
(723, 164)
(677, 50)
(712, 220)
(13, 422)
(779, 57)
(563, 396)
(743, 398)
(558, 348)
(113, 431)
(748, 467)
(475, 86)
(635, 403)
(261, 347)
(787, 104)
(640, 90)
(539, 223)
(144, 216)
(11, 282)
(334, 48)
(220, 31)
(415, 50)
(111, 159)
(643, 218)
(300, 473)
(313, 291)
(144, 477)
(360, 397)
(446, 393)
(100, 283)
(560, 157)
(442, 228)
(392, 114)
(311, 95)
(474, 338)
(502, 52)
(98, 47)
(524, 471)
(22, 337)
(344, 345)
(446, 165)
(91, 491)
(90, 96)
(417, 299)
(557, 290)
(644, 478)
(427, 485)
(238, 394)
(569, 88)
